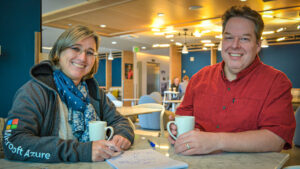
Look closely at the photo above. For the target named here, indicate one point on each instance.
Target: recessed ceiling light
(160, 14)
(243, 0)
(298, 27)
(172, 40)
(195, 7)
(280, 29)
(144, 47)
(102, 26)
(205, 41)
(114, 42)
(267, 32)
(280, 39)
(70, 24)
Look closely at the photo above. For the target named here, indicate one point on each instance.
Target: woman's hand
(121, 142)
(102, 149)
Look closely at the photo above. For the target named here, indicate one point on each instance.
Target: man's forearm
(250, 141)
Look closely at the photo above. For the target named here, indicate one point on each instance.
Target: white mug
(183, 123)
(98, 130)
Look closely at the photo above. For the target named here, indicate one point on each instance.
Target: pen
(151, 144)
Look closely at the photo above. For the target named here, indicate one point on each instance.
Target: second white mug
(183, 124)
(98, 130)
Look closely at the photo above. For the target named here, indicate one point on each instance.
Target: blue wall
(19, 20)
(116, 72)
(285, 58)
(101, 74)
(282, 57)
(201, 59)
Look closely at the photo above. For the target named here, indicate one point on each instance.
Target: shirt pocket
(243, 114)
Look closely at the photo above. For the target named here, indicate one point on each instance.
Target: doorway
(153, 77)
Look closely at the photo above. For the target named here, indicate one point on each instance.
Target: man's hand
(121, 142)
(197, 142)
(101, 150)
(173, 129)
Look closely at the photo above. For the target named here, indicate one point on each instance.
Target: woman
(49, 118)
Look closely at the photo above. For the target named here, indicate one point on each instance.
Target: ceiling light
(113, 42)
(46, 48)
(264, 43)
(155, 29)
(204, 48)
(160, 14)
(205, 41)
(178, 44)
(70, 24)
(298, 27)
(243, 0)
(157, 23)
(219, 36)
(267, 32)
(280, 39)
(209, 44)
(205, 31)
(169, 36)
(267, 16)
(102, 26)
(172, 40)
(144, 47)
(280, 29)
(184, 49)
(110, 56)
(155, 45)
(158, 33)
(197, 33)
(164, 45)
(268, 12)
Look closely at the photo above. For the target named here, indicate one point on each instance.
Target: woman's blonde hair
(69, 38)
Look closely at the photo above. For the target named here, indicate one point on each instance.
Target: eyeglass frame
(75, 47)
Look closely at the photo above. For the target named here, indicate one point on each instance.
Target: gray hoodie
(31, 131)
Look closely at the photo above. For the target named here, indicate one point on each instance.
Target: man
(240, 104)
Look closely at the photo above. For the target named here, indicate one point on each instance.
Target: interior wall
(163, 61)
(17, 46)
(100, 76)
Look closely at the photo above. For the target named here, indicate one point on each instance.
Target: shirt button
(224, 107)
(228, 88)
(217, 126)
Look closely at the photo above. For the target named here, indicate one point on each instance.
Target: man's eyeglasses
(88, 52)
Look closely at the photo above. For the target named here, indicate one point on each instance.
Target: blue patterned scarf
(80, 110)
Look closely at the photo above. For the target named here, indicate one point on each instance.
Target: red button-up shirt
(260, 98)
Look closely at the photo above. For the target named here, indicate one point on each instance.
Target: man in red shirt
(240, 104)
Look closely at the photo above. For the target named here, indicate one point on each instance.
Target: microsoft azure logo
(12, 124)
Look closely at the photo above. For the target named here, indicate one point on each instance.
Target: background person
(240, 104)
(183, 85)
(48, 121)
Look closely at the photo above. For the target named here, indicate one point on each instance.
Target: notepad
(146, 159)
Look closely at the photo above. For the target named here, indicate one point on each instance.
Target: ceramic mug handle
(169, 130)
(111, 132)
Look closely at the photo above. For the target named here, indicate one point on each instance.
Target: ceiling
(130, 22)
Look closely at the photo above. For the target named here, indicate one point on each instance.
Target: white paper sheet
(146, 159)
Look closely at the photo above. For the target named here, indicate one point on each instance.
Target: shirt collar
(244, 72)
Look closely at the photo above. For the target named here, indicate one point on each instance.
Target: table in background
(271, 160)
(134, 110)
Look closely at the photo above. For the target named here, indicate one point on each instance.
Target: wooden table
(135, 110)
(271, 160)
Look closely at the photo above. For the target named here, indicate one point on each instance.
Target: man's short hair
(248, 13)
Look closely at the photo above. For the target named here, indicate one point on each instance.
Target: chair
(297, 131)
(150, 121)
(153, 121)
(156, 96)
(113, 99)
